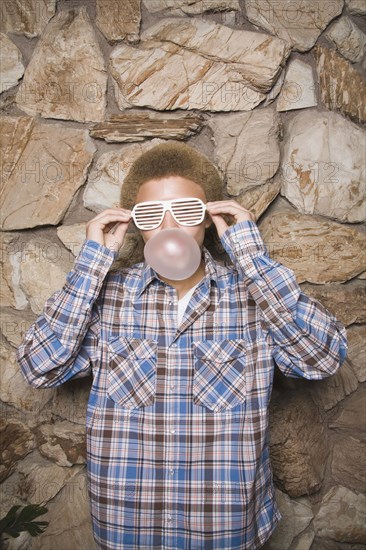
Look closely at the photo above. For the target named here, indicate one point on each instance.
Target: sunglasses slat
(187, 212)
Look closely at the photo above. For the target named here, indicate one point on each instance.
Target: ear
(208, 221)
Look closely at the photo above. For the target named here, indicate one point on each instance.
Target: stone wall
(274, 93)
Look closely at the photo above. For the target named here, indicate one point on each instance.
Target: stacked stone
(274, 93)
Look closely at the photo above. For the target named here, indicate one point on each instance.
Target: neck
(182, 287)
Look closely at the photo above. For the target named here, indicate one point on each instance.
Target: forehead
(172, 187)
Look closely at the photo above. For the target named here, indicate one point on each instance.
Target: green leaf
(31, 512)
(13, 525)
(9, 519)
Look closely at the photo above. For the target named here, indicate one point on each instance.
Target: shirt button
(172, 431)
(260, 282)
(171, 472)
(172, 387)
(174, 345)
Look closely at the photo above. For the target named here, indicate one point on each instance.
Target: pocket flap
(219, 351)
(124, 347)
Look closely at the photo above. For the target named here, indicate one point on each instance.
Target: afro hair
(171, 159)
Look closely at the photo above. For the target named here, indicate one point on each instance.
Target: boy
(177, 421)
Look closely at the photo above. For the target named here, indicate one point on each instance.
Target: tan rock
(131, 252)
(72, 236)
(328, 544)
(28, 18)
(259, 198)
(304, 540)
(273, 93)
(323, 166)
(37, 411)
(119, 20)
(40, 481)
(43, 165)
(62, 442)
(246, 148)
(11, 294)
(357, 350)
(139, 126)
(15, 390)
(9, 491)
(43, 271)
(299, 23)
(296, 517)
(106, 178)
(349, 462)
(70, 401)
(349, 39)
(14, 325)
(352, 414)
(192, 64)
(16, 442)
(318, 251)
(356, 7)
(298, 90)
(298, 444)
(69, 519)
(347, 302)
(7, 101)
(66, 76)
(330, 391)
(341, 516)
(257, 57)
(341, 86)
(190, 7)
(11, 65)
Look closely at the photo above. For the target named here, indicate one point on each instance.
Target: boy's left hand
(229, 208)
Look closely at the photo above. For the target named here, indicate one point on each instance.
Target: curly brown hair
(171, 159)
(164, 160)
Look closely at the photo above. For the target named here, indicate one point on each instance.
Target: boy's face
(173, 187)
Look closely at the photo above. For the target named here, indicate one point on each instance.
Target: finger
(119, 228)
(224, 202)
(226, 208)
(105, 218)
(112, 212)
(220, 224)
(115, 239)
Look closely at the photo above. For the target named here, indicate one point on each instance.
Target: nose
(168, 221)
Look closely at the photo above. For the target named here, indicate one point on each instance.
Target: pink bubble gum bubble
(173, 254)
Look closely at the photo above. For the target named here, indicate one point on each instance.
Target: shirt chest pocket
(132, 371)
(219, 374)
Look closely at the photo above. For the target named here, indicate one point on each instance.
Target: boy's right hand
(115, 219)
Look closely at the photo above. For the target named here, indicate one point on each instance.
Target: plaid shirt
(177, 420)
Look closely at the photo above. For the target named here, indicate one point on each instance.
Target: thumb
(220, 224)
(115, 240)
(120, 232)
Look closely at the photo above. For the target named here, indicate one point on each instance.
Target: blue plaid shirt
(177, 420)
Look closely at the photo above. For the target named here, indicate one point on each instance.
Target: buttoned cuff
(94, 259)
(243, 242)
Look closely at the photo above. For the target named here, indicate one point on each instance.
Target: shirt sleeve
(63, 341)
(308, 341)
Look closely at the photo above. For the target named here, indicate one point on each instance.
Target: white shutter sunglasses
(149, 215)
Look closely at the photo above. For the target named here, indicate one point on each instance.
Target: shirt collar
(148, 275)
